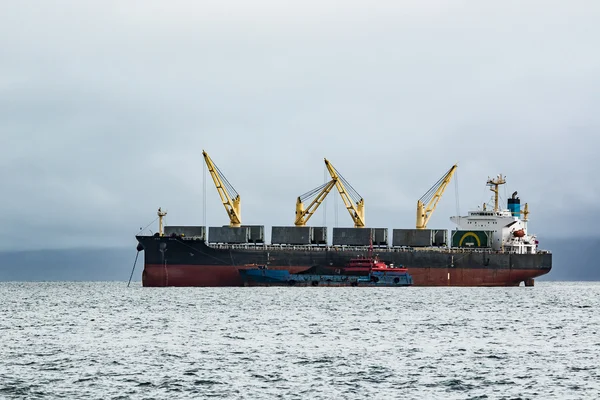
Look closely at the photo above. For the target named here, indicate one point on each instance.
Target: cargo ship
(489, 247)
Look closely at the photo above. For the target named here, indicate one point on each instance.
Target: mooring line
(135, 262)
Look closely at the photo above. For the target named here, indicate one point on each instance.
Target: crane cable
(352, 193)
(456, 195)
(228, 185)
(426, 198)
(335, 207)
(204, 195)
(325, 173)
(312, 193)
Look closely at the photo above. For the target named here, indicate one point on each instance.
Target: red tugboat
(369, 264)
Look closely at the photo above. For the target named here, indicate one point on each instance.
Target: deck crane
(352, 200)
(229, 196)
(303, 215)
(428, 202)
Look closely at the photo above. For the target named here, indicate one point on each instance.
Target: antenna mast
(494, 184)
(161, 214)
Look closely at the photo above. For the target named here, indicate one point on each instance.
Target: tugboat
(359, 271)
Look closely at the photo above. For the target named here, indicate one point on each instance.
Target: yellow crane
(303, 215)
(352, 200)
(428, 202)
(229, 196)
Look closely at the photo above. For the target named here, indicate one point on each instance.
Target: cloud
(105, 109)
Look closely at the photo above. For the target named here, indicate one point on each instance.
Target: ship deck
(320, 248)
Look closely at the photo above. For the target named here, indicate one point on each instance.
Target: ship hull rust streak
(227, 275)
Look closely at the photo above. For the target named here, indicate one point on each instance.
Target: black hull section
(179, 251)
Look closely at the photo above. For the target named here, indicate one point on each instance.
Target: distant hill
(111, 264)
(573, 260)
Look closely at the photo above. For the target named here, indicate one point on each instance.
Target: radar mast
(494, 184)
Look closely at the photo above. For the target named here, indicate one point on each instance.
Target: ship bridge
(507, 227)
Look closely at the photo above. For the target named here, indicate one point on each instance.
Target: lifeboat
(520, 233)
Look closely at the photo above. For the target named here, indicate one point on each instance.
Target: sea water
(108, 341)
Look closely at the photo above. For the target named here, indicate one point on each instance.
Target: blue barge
(277, 277)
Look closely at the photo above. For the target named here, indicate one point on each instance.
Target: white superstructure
(509, 230)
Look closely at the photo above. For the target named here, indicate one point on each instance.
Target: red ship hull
(157, 275)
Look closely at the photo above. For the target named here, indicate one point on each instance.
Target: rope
(143, 229)
(485, 190)
(135, 262)
(503, 200)
(335, 207)
(456, 193)
(325, 200)
(204, 195)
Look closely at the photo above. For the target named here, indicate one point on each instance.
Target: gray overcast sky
(105, 108)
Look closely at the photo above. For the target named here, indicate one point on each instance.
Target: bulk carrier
(489, 247)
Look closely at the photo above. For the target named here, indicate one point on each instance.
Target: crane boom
(427, 204)
(303, 215)
(352, 200)
(229, 197)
